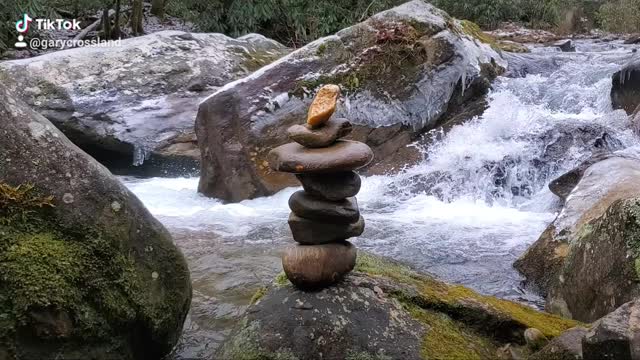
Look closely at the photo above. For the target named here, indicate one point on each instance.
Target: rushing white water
(478, 198)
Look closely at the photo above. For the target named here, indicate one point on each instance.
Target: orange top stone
(323, 105)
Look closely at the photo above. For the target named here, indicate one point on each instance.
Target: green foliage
(621, 16)
(292, 22)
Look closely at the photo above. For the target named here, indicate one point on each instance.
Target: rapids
(464, 214)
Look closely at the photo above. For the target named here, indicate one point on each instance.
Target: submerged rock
(85, 270)
(136, 103)
(625, 89)
(402, 72)
(586, 261)
(383, 310)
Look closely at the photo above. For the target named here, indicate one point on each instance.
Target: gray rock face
(565, 45)
(567, 346)
(333, 187)
(310, 207)
(615, 336)
(401, 71)
(321, 137)
(625, 90)
(90, 276)
(585, 261)
(312, 232)
(137, 103)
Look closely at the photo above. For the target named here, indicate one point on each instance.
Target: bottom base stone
(317, 266)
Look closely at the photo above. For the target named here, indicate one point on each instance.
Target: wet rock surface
(135, 104)
(625, 90)
(312, 232)
(585, 260)
(383, 310)
(324, 136)
(333, 187)
(343, 155)
(311, 207)
(386, 94)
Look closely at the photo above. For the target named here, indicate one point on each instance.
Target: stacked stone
(325, 214)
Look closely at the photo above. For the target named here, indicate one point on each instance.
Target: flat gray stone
(343, 155)
(312, 232)
(310, 207)
(334, 186)
(323, 136)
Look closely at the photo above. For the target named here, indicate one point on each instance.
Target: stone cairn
(325, 214)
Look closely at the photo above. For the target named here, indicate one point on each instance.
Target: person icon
(20, 43)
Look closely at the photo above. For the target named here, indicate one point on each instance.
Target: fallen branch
(92, 27)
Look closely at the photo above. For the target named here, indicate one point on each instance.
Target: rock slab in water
(239, 124)
(625, 88)
(94, 276)
(312, 232)
(382, 310)
(323, 105)
(585, 262)
(333, 187)
(323, 136)
(313, 208)
(344, 155)
(137, 100)
(317, 266)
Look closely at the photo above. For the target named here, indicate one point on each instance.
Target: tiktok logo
(22, 26)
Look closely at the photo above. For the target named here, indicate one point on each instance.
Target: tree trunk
(136, 17)
(157, 8)
(115, 33)
(106, 24)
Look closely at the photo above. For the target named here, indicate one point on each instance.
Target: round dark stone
(310, 207)
(323, 136)
(343, 155)
(310, 267)
(335, 186)
(313, 232)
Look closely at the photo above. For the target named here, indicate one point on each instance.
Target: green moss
(76, 271)
(447, 339)
(281, 279)
(244, 346)
(361, 355)
(472, 29)
(455, 300)
(321, 49)
(258, 295)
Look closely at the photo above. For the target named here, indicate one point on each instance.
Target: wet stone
(310, 267)
(323, 136)
(323, 105)
(344, 155)
(312, 232)
(310, 207)
(335, 186)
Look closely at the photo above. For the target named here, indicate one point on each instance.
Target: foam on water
(475, 202)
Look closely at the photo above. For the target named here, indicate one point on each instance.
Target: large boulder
(85, 270)
(586, 261)
(135, 104)
(402, 72)
(383, 310)
(625, 90)
(615, 336)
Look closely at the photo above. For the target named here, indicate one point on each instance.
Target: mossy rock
(85, 270)
(384, 310)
